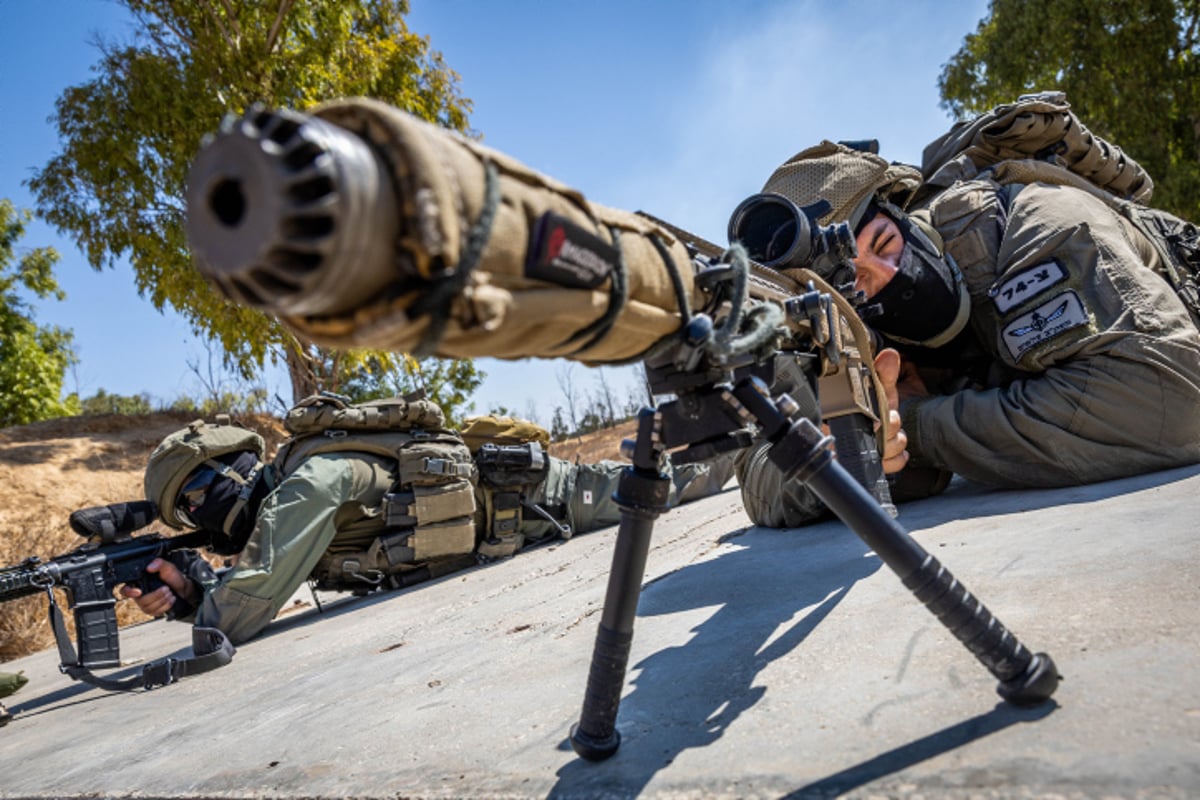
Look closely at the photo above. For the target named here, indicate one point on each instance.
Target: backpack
(1042, 127)
(1039, 138)
(424, 526)
(522, 494)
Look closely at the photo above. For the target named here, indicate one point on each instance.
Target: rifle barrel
(19, 581)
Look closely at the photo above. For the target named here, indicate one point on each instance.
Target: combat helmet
(847, 176)
(185, 450)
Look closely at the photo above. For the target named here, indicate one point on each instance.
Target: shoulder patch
(1060, 313)
(1015, 289)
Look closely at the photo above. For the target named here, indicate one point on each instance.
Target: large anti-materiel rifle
(361, 226)
(88, 575)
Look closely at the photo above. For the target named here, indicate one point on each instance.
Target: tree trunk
(299, 364)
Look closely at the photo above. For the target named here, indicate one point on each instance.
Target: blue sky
(677, 107)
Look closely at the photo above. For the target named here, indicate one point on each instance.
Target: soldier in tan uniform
(1040, 345)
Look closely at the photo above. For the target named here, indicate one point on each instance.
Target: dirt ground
(49, 469)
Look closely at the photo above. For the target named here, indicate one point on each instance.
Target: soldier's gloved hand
(895, 454)
(163, 599)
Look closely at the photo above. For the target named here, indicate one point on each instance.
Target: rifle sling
(212, 647)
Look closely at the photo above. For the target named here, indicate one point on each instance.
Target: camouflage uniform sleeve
(1108, 358)
(769, 500)
(295, 525)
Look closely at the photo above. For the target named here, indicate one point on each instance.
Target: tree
(128, 136)
(448, 383)
(104, 403)
(558, 426)
(605, 399)
(33, 359)
(565, 375)
(1130, 69)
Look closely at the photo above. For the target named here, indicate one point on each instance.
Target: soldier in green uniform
(277, 527)
(326, 514)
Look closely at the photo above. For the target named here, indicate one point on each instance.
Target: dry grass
(597, 446)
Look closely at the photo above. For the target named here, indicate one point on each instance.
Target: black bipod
(803, 453)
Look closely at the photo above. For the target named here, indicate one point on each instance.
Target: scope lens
(768, 226)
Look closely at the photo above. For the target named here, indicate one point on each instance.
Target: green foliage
(236, 403)
(559, 430)
(1130, 69)
(33, 359)
(447, 382)
(104, 403)
(128, 136)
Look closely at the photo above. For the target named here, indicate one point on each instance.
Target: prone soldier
(1047, 326)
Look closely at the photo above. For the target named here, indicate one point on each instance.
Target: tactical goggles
(193, 493)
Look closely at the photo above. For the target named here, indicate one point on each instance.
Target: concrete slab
(765, 664)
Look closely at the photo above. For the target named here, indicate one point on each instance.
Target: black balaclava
(221, 497)
(925, 303)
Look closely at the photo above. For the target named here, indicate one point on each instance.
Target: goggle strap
(243, 496)
(226, 471)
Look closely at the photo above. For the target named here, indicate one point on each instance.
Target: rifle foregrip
(16, 582)
(858, 453)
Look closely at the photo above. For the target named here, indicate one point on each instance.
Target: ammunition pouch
(425, 534)
(512, 498)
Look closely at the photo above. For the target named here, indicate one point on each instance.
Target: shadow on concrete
(57, 700)
(769, 595)
(935, 744)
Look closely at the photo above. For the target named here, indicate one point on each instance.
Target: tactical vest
(1039, 138)
(522, 493)
(424, 526)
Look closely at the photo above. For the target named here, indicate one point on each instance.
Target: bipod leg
(642, 494)
(1025, 678)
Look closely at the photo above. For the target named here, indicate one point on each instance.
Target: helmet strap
(247, 483)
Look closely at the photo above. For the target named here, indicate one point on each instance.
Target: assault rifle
(88, 575)
(362, 226)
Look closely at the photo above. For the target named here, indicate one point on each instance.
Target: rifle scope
(779, 234)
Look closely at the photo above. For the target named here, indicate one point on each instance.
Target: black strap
(564, 530)
(681, 300)
(439, 297)
(212, 648)
(618, 296)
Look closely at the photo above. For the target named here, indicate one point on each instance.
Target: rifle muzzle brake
(291, 215)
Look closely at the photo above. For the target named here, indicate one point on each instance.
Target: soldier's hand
(159, 602)
(895, 454)
(909, 383)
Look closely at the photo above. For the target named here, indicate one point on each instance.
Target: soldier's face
(880, 246)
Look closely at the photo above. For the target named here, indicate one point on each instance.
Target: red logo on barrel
(555, 244)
